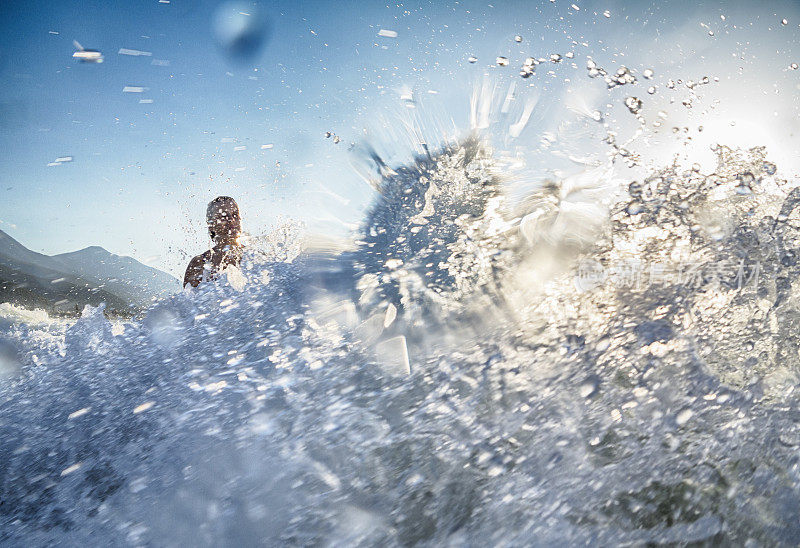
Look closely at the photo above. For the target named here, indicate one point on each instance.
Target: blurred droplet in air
(241, 29)
(9, 360)
(86, 55)
(165, 327)
(589, 386)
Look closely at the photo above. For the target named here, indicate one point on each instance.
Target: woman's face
(225, 225)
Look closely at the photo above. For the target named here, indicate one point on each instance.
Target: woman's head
(222, 217)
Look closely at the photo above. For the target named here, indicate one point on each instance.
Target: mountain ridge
(65, 282)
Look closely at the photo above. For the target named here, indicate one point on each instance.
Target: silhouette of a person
(224, 227)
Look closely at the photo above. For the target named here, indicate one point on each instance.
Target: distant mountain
(64, 283)
(122, 276)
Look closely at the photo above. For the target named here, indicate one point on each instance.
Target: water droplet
(555, 58)
(502, 61)
(589, 387)
(683, 416)
(518, 38)
(784, 22)
(597, 116)
(651, 90)
(328, 134)
(623, 76)
(240, 29)
(9, 360)
(634, 104)
(569, 55)
(336, 140)
(711, 33)
(607, 14)
(472, 59)
(648, 73)
(793, 66)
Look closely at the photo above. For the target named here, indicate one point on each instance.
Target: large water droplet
(240, 28)
(9, 360)
(502, 61)
(589, 387)
(683, 416)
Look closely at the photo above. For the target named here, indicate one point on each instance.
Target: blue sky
(143, 171)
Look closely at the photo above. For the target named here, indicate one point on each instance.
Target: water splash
(600, 360)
